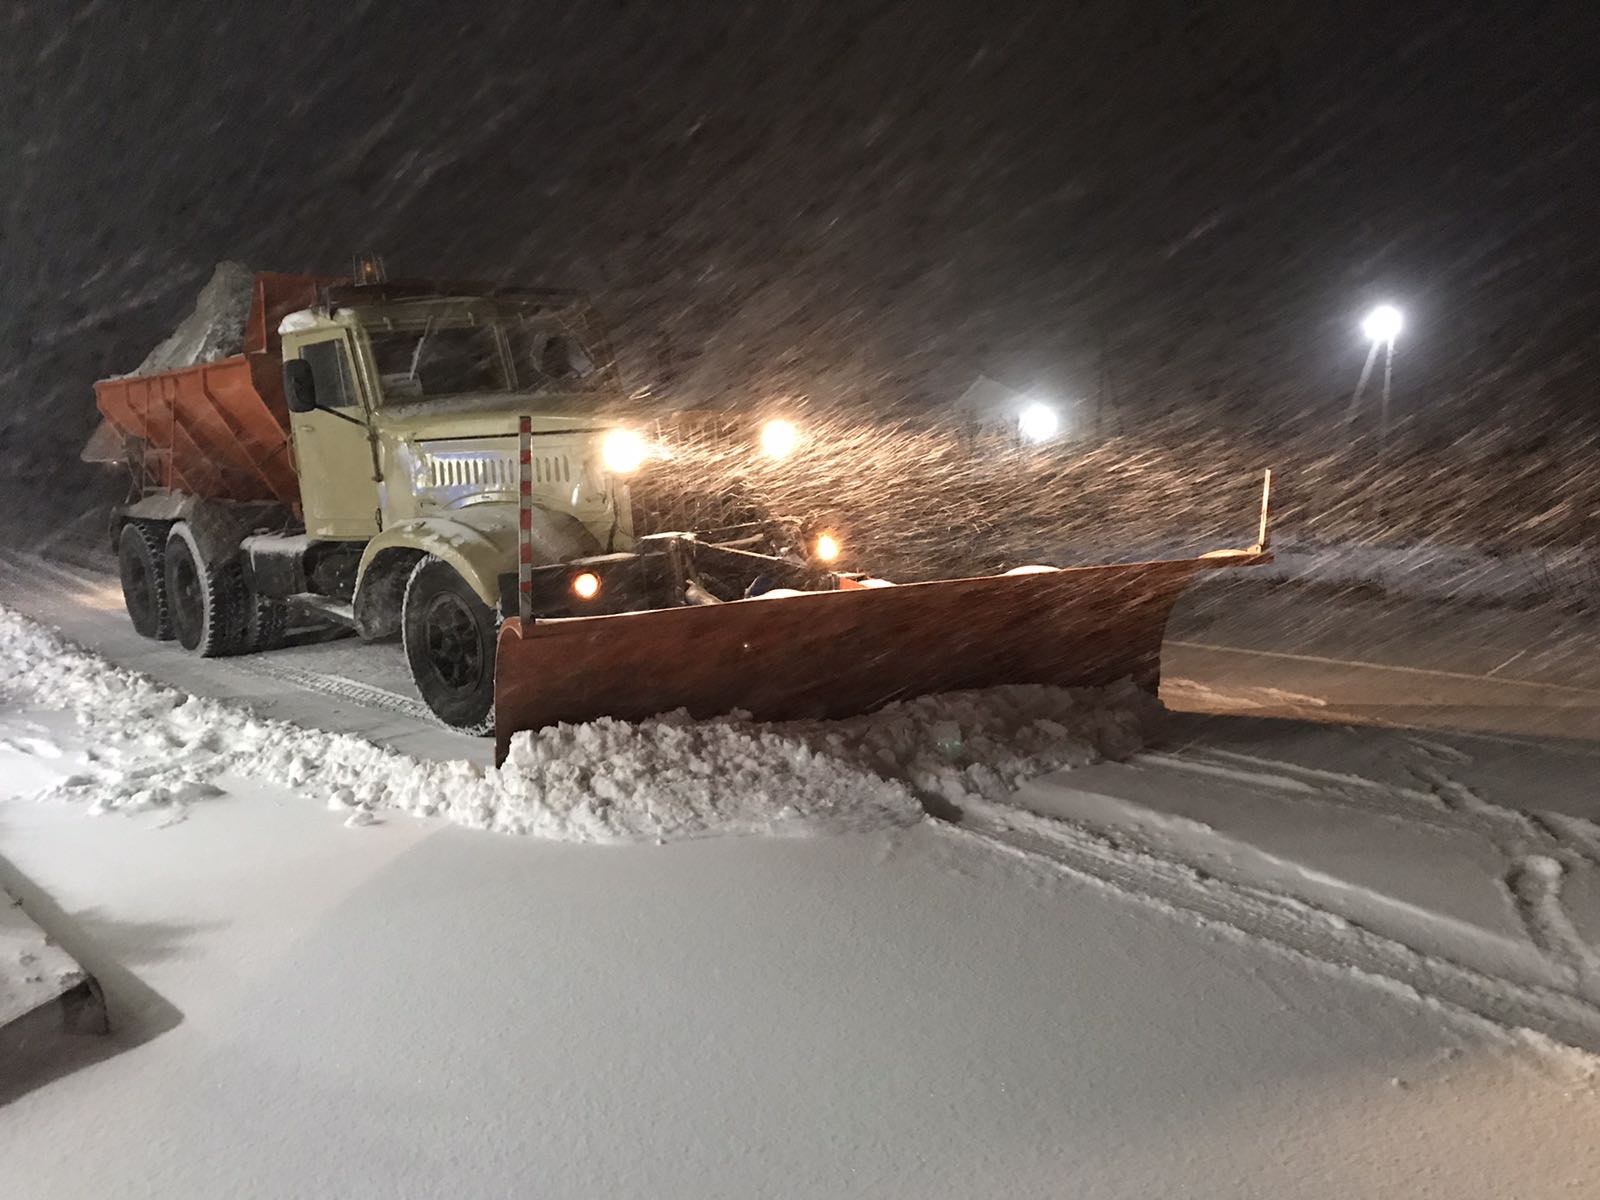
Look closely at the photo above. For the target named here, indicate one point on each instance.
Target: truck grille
(479, 469)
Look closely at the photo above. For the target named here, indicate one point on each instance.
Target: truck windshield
(550, 356)
(450, 360)
(436, 361)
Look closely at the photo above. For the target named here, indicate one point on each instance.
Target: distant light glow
(586, 586)
(827, 547)
(1039, 423)
(778, 439)
(1383, 324)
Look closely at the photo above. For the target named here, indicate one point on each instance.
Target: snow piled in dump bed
(155, 748)
(214, 329)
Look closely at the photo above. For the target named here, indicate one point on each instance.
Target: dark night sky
(869, 199)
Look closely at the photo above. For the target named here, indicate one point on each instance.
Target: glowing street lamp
(1383, 324)
(1039, 423)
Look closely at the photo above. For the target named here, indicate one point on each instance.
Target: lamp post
(1381, 326)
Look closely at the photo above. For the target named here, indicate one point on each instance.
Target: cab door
(337, 486)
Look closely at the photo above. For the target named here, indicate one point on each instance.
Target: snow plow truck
(452, 463)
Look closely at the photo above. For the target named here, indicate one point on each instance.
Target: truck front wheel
(144, 584)
(449, 637)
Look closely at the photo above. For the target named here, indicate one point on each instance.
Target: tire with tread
(141, 553)
(449, 636)
(268, 621)
(206, 600)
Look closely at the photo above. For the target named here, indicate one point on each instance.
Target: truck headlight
(622, 451)
(778, 439)
(826, 547)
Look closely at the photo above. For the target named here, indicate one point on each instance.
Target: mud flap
(835, 654)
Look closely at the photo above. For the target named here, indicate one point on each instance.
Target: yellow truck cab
(403, 418)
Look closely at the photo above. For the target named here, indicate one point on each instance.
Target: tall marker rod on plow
(1266, 510)
(525, 519)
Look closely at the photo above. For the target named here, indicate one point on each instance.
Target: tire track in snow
(1542, 857)
(36, 577)
(340, 688)
(1441, 750)
(1534, 884)
(1541, 850)
(1443, 803)
(1286, 922)
(1514, 832)
(1575, 831)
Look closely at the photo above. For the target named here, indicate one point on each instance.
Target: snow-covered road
(1332, 935)
(1233, 646)
(339, 685)
(413, 1009)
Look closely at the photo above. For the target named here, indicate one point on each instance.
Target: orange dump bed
(218, 429)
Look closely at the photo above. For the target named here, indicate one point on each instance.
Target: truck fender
(481, 545)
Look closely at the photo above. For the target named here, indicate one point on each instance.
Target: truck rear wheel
(449, 637)
(267, 619)
(144, 585)
(206, 599)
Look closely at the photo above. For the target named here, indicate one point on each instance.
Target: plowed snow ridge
(666, 778)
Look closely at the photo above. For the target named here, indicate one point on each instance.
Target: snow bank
(606, 781)
(214, 329)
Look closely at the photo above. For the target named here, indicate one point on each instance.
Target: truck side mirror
(299, 386)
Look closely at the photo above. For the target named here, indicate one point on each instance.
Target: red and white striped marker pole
(525, 519)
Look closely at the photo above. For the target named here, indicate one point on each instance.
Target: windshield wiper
(416, 355)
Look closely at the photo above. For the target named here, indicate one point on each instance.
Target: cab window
(330, 368)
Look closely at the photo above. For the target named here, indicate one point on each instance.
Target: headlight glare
(622, 451)
(779, 438)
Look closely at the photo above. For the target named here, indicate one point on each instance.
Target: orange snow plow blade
(839, 653)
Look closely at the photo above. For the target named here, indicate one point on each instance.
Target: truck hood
(495, 413)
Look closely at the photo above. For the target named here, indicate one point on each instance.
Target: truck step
(340, 612)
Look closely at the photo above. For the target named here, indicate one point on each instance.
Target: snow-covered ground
(1331, 933)
(149, 746)
(1455, 573)
(1446, 572)
(414, 1009)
